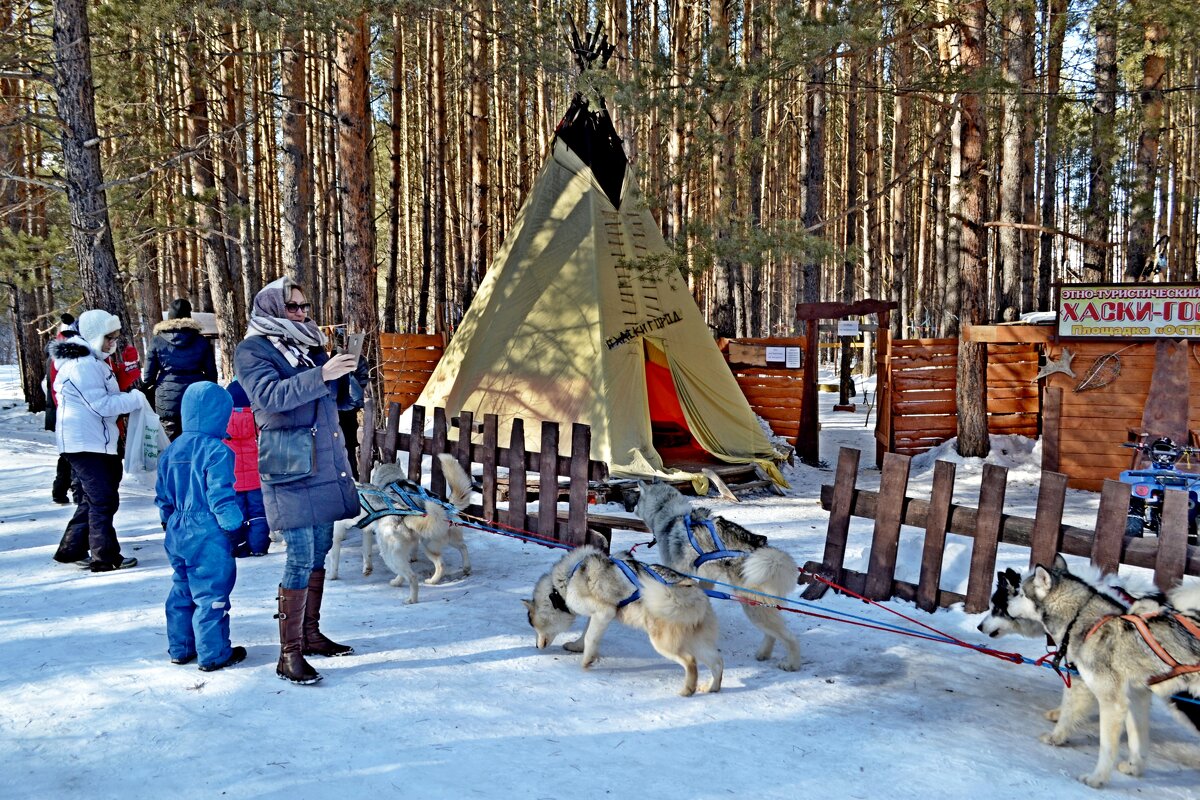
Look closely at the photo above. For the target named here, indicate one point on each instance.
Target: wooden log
(935, 535)
(886, 538)
(1172, 540)
(987, 537)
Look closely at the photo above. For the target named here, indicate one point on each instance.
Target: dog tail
(1187, 708)
(683, 603)
(458, 482)
(435, 518)
(1186, 599)
(770, 570)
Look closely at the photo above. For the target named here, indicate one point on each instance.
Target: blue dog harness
(631, 574)
(399, 498)
(719, 552)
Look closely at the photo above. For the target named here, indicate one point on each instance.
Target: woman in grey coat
(290, 380)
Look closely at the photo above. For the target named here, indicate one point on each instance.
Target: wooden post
(391, 434)
(987, 538)
(416, 443)
(838, 529)
(935, 535)
(1110, 525)
(462, 453)
(893, 487)
(366, 440)
(491, 444)
(577, 502)
(437, 482)
(1052, 429)
(518, 498)
(808, 444)
(1171, 558)
(883, 387)
(548, 482)
(1046, 539)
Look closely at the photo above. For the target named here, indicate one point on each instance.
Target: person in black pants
(62, 473)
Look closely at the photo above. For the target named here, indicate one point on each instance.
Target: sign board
(793, 358)
(775, 354)
(847, 327)
(1132, 310)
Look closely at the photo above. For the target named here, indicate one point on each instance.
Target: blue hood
(206, 408)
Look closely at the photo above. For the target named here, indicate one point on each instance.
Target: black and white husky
(1121, 666)
(693, 541)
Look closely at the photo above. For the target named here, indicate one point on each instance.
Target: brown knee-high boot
(292, 665)
(315, 642)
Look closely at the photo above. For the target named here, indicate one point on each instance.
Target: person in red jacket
(254, 537)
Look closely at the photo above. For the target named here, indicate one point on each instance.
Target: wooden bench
(1168, 555)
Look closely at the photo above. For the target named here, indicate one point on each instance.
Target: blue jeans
(306, 551)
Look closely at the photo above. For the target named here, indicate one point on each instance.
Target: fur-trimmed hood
(180, 324)
(66, 349)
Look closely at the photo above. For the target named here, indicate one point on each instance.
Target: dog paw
(1134, 768)
(573, 647)
(788, 666)
(466, 571)
(367, 571)
(687, 691)
(1053, 738)
(1053, 714)
(410, 601)
(1093, 780)
(396, 581)
(589, 662)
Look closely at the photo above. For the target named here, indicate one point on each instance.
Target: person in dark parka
(199, 512)
(62, 473)
(179, 356)
(290, 380)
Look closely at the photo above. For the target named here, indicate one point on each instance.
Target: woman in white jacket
(89, 403)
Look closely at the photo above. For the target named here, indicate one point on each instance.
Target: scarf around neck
(268, 317)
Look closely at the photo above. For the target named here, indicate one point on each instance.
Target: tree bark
(91, 232)
(1104, 147)
(727, 277)
(1017, 36)
(971, 387)
(296, 179)
(477, 130)
(1139, 263)
(1056, 31)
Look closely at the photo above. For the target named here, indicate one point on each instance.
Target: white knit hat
(94, 325)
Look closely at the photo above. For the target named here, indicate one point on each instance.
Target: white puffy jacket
(89, 400)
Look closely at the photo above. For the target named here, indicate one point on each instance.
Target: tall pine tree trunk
(1139, 262)
(727, 277)
(814, 174)
(478, 132)
(1104, 144)
(1056, 31)
(1017, 36)
(971, 386)
(296, 180)
(91, 234)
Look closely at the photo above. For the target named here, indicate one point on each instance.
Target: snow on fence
(1169, 555)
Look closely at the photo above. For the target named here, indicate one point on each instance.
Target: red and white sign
(1137, 310)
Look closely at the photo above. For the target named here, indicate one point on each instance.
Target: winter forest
(956, 157)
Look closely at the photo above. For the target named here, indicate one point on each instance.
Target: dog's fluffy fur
(677, 616)
(764, 569)
(1114, 661)
(399, 536)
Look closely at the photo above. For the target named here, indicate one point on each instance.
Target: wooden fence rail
(1169, 555)
(569, 527)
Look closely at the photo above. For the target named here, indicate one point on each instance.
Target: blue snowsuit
(197, 505)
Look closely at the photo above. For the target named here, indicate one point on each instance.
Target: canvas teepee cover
(566, 328)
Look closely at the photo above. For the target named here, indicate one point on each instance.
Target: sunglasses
(294, 307)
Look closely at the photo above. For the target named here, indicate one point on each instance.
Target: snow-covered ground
(449, 698)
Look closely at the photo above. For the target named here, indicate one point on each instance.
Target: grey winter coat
(284, 396)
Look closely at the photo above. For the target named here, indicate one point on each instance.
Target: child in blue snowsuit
(196, 503)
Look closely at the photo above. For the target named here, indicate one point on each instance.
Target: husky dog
(1120, 667)
(725, 552)
(1077, 699)
(399, 535)
(673, 610)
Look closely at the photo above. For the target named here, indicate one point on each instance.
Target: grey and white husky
(674, 611)
(693, 541)
(1119, 666)
(399, 536)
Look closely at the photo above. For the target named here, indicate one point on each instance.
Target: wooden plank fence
(572, 526)
(773, 391)
(1169, 555)
(921, 409)
(407, 360)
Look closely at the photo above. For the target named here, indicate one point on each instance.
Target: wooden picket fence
(773, 391)
(406, 362)
(1169, 555)
(571, 526)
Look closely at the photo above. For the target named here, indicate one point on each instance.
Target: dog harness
(1139, 622)
(557, 600)
(720, 551)
(399, 498)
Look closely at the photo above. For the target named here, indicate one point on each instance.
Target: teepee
(565, 327)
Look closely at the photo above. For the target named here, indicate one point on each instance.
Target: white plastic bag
(144, 442)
